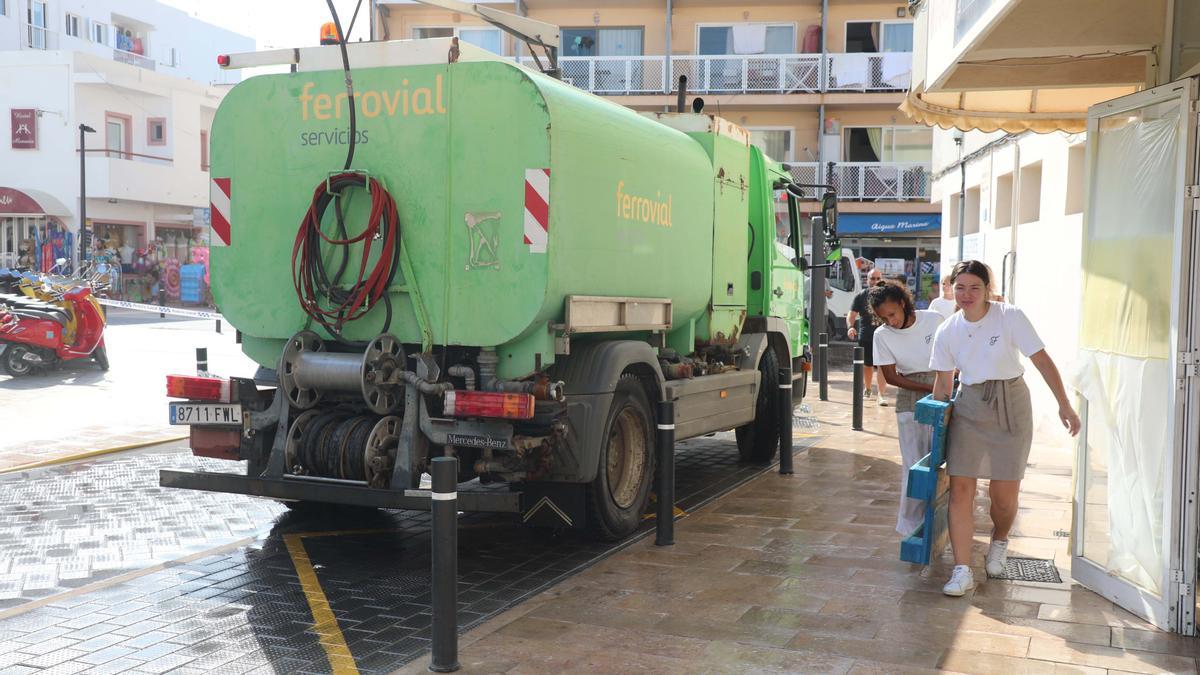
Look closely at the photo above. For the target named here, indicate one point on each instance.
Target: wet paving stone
(245, 609)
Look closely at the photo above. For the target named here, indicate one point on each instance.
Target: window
(490, 39)
(775, 143)
(877, 36)
(99, 33)
(37, 25)
(746, 38)
(1004, 195)
(887, 144)
(3, 7)
(602, 41)
(117, 140)
(73, 25)
(425, 33)
(204, 151)
(156, 131)
(971, 212)
(1074, 180)
(1031, 193)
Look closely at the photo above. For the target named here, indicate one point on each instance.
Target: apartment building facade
(140, 74)
(827, 107)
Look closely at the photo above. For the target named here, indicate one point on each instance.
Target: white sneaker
(882, 401)
(867, 393)
(997, 558)
(961, 581)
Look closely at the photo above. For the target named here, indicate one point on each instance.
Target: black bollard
(664, 530)
(162, 299)
(785, 421)
(823, 366)
(201, 360)
(445, 565)
(859, 357)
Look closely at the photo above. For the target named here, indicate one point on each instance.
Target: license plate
(206, 413)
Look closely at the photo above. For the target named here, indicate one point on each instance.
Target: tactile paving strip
(65, 526)
(1031, 569)
(247, 611)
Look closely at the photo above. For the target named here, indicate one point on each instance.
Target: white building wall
(1046, 282)
(196, 44)
(72, 89)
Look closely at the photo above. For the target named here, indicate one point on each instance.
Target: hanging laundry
(749, 38)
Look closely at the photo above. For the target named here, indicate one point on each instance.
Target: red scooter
(35, 335)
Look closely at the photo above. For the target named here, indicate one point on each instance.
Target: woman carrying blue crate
(991, 427)
(903, 343)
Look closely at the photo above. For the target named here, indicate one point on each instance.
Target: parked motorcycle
(59, 321)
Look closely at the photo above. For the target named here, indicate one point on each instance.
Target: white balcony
(868, 181)
(122, 56)
(759, 74)
(114, 174)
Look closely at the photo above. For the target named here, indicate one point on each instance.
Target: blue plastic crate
(928, 481)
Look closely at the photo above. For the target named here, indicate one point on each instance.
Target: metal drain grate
(808, 423)
(1031, 569)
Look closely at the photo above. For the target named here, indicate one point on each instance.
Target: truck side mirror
(829, 213)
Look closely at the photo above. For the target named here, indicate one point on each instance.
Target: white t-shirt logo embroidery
(992, 342)
(928, 339)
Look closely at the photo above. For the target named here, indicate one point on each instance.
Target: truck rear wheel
(758, 441)
(617, 497)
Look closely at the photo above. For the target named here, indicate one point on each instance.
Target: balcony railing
(122, 56)
(133, 156)
(868, 181)
(760, 74)
(887, 71)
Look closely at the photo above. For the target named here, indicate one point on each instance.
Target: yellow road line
(89, 453)
(324, 621)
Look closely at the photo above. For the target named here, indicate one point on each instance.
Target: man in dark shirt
(862, 328)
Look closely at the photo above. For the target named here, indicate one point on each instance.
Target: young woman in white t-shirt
(944, 303)
(991, 427)
(903, 343)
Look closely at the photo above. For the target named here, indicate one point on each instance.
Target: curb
(89, 454)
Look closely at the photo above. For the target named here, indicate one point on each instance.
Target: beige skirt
(991, 430)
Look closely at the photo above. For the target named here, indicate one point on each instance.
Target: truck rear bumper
(500, 499)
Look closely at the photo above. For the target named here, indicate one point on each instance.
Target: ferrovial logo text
(407, 100)
(657, 211)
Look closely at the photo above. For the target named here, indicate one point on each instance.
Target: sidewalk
(802, 574)
(79, 408)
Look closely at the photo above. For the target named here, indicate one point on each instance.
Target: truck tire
(617, 497)
(758, 441)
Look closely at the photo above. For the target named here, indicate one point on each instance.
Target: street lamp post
(83, 129)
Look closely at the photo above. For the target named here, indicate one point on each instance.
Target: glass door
(1134, 535)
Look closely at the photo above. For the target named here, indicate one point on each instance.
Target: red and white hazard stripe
(220, 192)
(537, 209)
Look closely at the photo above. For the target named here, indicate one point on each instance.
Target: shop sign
(884, 224)
(24, 128)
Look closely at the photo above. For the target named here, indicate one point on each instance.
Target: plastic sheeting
(1123, 370)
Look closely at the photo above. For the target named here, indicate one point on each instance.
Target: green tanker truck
(470, 258)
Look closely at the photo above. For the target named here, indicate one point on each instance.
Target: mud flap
(929, 481)
(554, 504)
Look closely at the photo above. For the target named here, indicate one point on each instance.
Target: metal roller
(307, 372)
(295, 438)
(380, 453)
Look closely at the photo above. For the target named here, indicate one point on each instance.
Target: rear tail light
(488, 404)
(198, 388)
